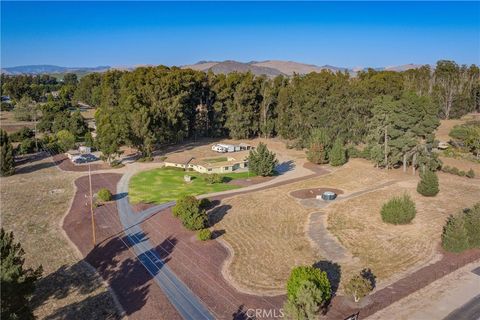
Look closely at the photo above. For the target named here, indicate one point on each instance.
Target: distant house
(223, 148)
(209, 165)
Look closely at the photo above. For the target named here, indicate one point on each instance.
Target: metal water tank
(329, 195)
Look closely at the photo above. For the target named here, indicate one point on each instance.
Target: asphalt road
(188, 305)
(469, 311)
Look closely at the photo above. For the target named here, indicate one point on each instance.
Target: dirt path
(323, 240)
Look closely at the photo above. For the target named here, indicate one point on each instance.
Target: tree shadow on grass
(285, 167)
(334, 273)
(33, 167)
(368, 274)
(216, 214)
(126, 274)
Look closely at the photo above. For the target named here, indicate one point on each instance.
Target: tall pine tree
(6, 155)
(17, 283)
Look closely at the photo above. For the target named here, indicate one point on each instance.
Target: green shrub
(472, 226)
(338, 155)
(7, 160)
(454, 236)
(399, 210)
(306, 273)
(4, 106)
(212, 178)
(22, 134)
(116, 164)
(470, 174)
(88, 139)
(104, 195)
(189, 211)
(26, 146)
(204, 235)
(65, 140)
(145, 159)
(428, 185)
(358, 287)
(455, 170)
(353, 152)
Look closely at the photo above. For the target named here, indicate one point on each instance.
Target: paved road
(182, 298)
(469, 311)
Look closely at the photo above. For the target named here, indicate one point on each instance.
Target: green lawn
(215, 160)
(167, 184)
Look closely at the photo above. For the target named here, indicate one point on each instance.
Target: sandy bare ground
(438, 299)
(445, 127)
(462, 164)
(33, 203)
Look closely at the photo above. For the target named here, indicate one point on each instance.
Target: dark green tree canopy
(17, 282)
(262, 161)
(7, 161)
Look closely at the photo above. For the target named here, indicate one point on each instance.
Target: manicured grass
(215, 160)
(167, 184)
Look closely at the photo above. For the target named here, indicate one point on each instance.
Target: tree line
(393, 114)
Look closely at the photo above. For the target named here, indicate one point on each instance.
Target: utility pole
(91, 205)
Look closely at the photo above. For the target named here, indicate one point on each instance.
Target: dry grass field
(10, 125)
(33, 202)
(266, 229)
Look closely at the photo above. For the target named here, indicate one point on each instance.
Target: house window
(209, 169)
(227, 168)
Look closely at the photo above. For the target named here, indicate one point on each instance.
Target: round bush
(399, 210)
(428, 185)
(104, 194)
(301, 274)
(204, 235)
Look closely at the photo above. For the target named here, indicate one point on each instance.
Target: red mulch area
(198, 264)
(140, 297)
(65, 164)
(312, 193)
(341, 308)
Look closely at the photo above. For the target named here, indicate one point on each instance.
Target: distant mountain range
(270, 68)
(51, 69)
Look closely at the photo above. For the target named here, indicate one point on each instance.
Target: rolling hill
(270, 68)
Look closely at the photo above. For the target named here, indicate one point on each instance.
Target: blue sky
(176, 33)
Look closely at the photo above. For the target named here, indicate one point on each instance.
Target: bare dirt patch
(311, 193)
(139, 296)
(462, 164)
(10, 125)
(445, 127)
(33, 202)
